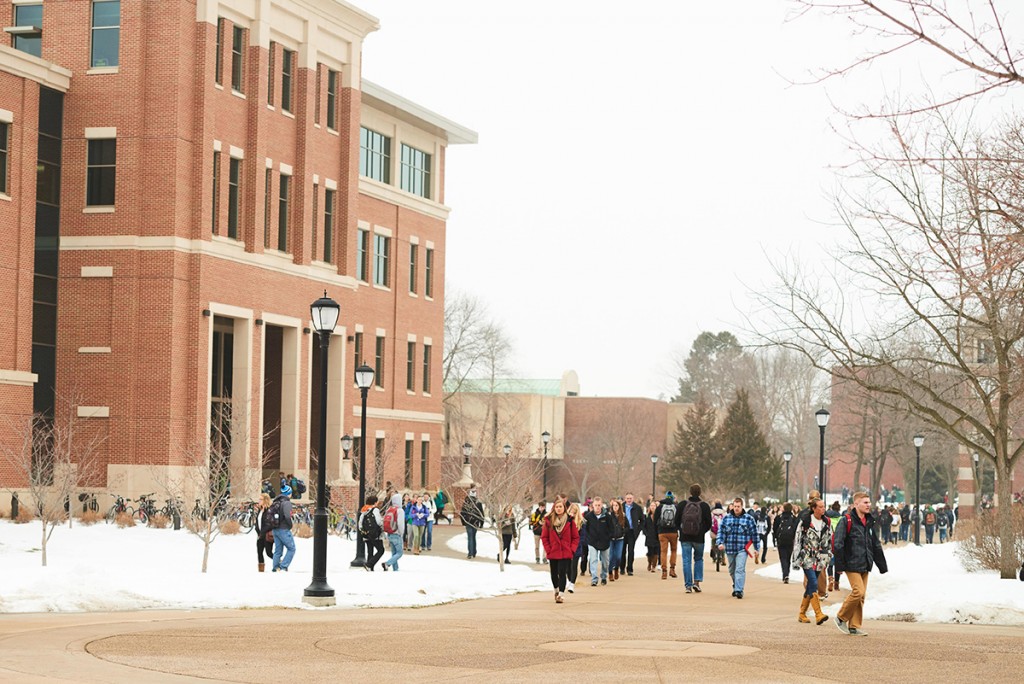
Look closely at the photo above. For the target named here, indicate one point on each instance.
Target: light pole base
(319, 601)
(357, 563)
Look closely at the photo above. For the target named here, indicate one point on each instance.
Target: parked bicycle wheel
(111, 514)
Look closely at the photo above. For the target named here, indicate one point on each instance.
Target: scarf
(558, 523)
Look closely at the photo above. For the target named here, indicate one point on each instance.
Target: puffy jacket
(705, 521)
(559, 546)
(858, 548)
(599, 530)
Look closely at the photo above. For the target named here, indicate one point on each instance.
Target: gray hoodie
(396, 501)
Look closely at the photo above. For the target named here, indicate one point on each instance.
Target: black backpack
(275, 515)
(300, 487)
(369, 528)
(691, 519)
(787, 531)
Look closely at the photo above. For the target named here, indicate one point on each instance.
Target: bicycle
(246, 514)
(120, 506)
(88, 501)
(147, 508)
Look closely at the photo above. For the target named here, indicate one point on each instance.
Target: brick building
(206, 170)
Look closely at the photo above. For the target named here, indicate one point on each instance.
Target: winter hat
(669, 495)
(286, 490)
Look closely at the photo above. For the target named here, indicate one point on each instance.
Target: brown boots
(819, 617)
(261, 567)
(831, 584)
(804, 605)
(613, 575)
(672, 572)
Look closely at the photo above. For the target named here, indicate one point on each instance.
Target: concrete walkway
(638, 629)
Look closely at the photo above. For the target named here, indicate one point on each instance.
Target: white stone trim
(236, 152)
(430, 245)
(94, 350)
(217, 146)
(966, 499)
(105, 209)
(93, 411)
(281, 320)
(330, 184)
(270, 163)
(13, 377)
(316, 179)
(278, 262)
(381, 434)
(229, 311)
(399, 414)
(414, 240)
(6, 116)
(962, 473)
(383, 230)
(96, 71)
(359, 327)
(363, 225)
(425, 437)
(410, 436)
(410, 338)
(430, 341)
(24, 65)
(381, 332)
(97, 271)
(392, 195)
(285, 169)
(100, 132)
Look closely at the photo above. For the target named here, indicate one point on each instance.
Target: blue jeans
(812, 583)
(737, 569)
(595, 558)
(428, 536)
(693, 562)
(615, 553)
(395, 542)
(470, 541)
(904, 531)
(283, 540)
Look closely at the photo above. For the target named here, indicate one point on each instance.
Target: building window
(428, 274)
(358, 346)
(5, 151)
(415, 171)
(374, 155)
(234, 198)
(426, 368)
(332, 99)
(106, 32)
(270, 74)
(408, 463)
(282, 214)
(29, 41)
(216, 193)
(237, 58)
(287, 69)
(362, 255)
(424, 458)
(381, 260)
(266, 209)
(316, 220)
(329, 226)
(218, 62)
(379, 362)
(101, 172)
(413, 259)
(410, 367)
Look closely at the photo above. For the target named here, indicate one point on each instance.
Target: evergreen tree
(694, 456)
(745, 449)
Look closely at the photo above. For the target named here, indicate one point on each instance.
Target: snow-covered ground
(102, 567)
(929, 584)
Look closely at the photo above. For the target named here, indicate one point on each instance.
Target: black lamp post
(821, 415)
(787, 457)
(654, 475)
(324, 313)
(918, 442)
(545, 437)
(507, 449)
(824, 479)
(364, 379)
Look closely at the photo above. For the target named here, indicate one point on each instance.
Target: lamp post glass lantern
(324, 314)
(545, 437)
(364, 379)
(654, 475)
(787, 457)
(467, 451)
(821, 416)
(918, 443)
(507, 449)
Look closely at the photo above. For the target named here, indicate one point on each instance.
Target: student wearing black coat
(264, 531)
(599, 539)
(857, 548)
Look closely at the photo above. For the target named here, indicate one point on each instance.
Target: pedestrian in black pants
(634, 515)
(374, 543)
(264, 531)
(785, 533)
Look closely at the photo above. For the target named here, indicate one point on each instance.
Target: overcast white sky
(636, 163)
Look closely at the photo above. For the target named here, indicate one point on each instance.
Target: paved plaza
(639, 629)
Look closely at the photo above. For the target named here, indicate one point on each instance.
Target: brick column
(965, 484)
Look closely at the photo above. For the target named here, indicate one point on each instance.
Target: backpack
(691, 519)
(668, 515)
(787, 531)
(276, 522)
(929, 519)
(391, 520)
(300, 487)
(368, 528)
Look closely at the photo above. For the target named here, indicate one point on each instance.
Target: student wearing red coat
(560, 538)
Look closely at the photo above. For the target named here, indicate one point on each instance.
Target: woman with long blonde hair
(560, 537)
(577, 517)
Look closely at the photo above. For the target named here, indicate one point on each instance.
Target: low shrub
(124, 519)
(230, 527)
(302, 531)
(90, 517)
(159, 521)
(979, 540)
(25, 515)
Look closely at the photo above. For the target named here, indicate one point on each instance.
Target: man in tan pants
(667, 518)
(857, 549)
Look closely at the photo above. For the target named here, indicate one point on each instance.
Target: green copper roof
(551, 388)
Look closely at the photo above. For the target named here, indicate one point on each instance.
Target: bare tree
(55, 456)
(942, 337)
(475, 346)
(970, 36)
